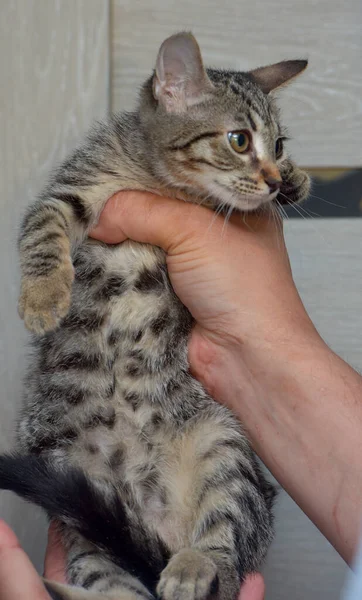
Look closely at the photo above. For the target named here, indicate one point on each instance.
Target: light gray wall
(54, 70)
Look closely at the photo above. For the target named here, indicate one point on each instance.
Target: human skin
(255, 349)
(18, 578)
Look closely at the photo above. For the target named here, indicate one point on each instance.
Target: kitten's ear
(180, 79)
(274, 76)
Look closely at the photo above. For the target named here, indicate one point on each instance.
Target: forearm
(302, 408)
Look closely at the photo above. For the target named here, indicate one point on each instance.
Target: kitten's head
(216, 134)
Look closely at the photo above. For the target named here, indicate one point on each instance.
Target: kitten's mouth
(241, 201)
(223, 198)
(251, 202)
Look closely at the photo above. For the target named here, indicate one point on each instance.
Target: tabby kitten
(155, 484)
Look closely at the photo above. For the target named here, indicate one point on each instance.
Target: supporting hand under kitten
(18, 578)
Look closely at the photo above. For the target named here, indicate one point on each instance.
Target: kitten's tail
(97, 512)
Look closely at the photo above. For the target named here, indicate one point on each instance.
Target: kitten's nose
(273, 179)
(274, 184)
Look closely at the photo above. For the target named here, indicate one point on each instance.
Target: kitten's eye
(279, 147)
(239, 141)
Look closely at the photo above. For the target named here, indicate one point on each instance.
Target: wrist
(239, 367)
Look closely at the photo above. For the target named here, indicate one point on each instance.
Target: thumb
(253, 588)
(18, 578)
(55, 558)
(145, 217)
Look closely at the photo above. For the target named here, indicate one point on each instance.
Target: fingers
(54, 565)
(166, 222)
(18, 578)
(253, 588)
(148, 218)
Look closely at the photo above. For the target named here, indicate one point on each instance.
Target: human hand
(235, 279)
(253, 588)
(18, 578)
(209, 263)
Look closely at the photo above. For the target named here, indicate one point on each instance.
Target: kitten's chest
(144, 327)
(128, 286)
(142, 345)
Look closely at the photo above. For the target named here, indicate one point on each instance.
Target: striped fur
(109, 395)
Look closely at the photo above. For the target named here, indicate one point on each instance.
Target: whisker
(245, 222)
(297, 210)
(293, 204)
(226, 216)
(218, 210)
(310, 213)
(282, 210)
(263, 208)
(307, 212)
(311, 219)
(230, 212)
(272, 214)
(327, 201)
(278, 222)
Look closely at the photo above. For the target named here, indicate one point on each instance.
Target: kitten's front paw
(296, 184)
(190, 575)
(44, 301)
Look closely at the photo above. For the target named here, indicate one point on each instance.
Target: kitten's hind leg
(228, 503)
(190, 575)
(59, 591)
(93, 575)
